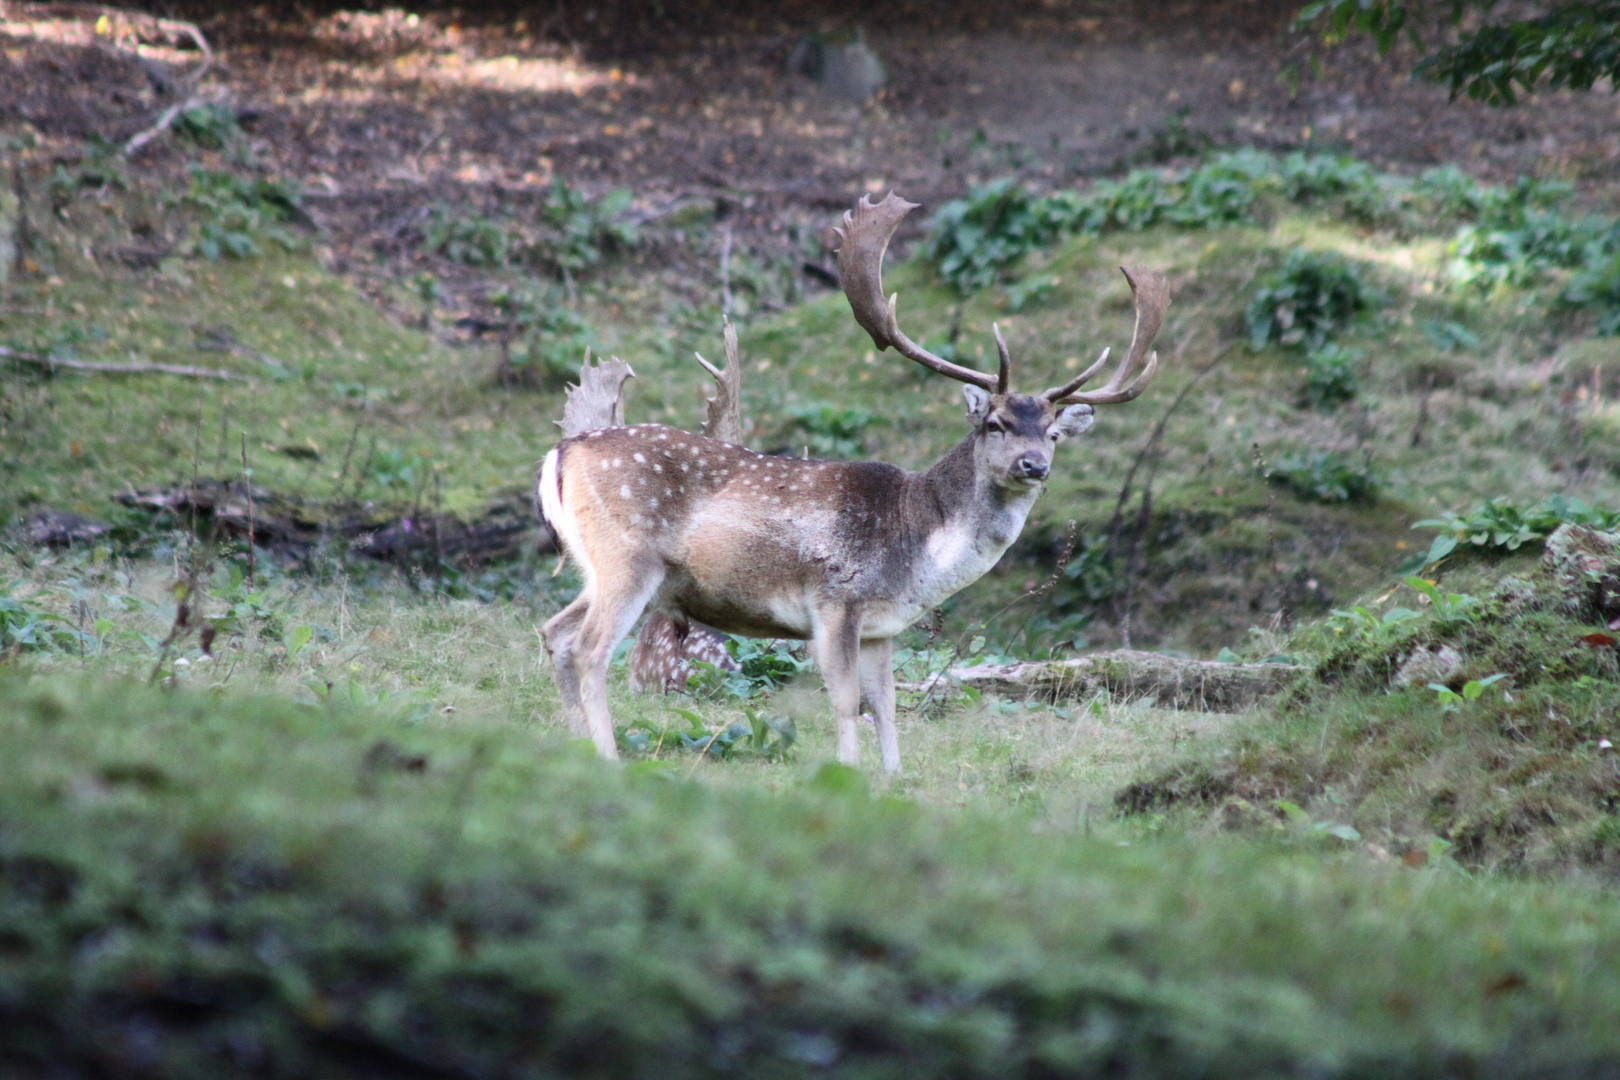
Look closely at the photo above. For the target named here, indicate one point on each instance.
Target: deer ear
(1074, 420)
(978, 401)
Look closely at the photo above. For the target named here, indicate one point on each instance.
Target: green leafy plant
(1450, 700)
(214, 126)
(544, 340)
(1298, 816)
(1573, 45)
(1326, 478)
(762, 737)
(1449, 608)
(832, 431)
(579, 231)
(26, 626)
(1312, 297)
(469, 239)
(763, 665)
(973, 241)
(1598, 288)
(239, 214)
(1359, 624)
(1331, 376)
(1499, 523)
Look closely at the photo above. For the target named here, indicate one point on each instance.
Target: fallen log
(1172, 682)
(51, 364)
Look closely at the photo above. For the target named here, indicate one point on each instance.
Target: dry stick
(51, 364)
(247, 484)
(725, 273)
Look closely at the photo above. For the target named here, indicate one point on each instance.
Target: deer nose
(1031, 467)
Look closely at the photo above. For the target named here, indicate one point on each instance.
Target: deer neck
(967, 522)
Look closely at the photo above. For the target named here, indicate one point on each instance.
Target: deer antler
(725, 408)
(1152, 293)
(863, 240)
(598, 400)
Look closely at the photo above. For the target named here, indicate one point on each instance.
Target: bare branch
(119, 369)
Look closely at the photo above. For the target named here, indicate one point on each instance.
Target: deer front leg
(838, 652)
(559, 635)
(877, 685)
(613, 611)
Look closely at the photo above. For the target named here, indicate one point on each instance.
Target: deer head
(1015, 433)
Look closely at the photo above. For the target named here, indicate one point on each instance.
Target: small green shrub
(1331, 376)
(973, 241)
(579, 231)
(1499, 523)
(1313, 297)
(762, 667)
(834, 431)
(1307, 178)
(1598, 288)
(25, 626)
(570, 233)
(1326, 478)
(239, 214)
(469, 239)
(213, 126)
(545, 340)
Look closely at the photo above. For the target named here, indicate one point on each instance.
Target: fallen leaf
(1599, 641)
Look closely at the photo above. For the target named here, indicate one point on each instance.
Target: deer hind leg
(837, 647)
(559, 635)
(617, 604)
(877, 686)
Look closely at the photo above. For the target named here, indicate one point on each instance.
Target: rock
(1585, 568)
(1515, 594)
(58, 528)
(1173, 683)
(1429, 665)
(848, 70)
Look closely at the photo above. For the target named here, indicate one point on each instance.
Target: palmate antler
(724, 420)
(1152, 294)
(598, 400)
(863, 241)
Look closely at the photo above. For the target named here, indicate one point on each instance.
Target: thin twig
(725, 273)
(51, 364)
(247, 484)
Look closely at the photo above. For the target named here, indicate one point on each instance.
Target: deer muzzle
(1031, 467)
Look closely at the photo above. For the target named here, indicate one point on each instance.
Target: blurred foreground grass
(210, 885)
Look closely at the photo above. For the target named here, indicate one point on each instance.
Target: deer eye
(993, 426)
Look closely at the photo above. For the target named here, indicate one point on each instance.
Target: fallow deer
(843, 554)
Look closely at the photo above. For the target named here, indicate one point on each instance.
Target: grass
(364, 407)
(199, 884)
(350, 837)
(1516, 779)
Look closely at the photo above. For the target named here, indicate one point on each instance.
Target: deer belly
(782, 616)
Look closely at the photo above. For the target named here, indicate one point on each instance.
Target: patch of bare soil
(384, 115)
